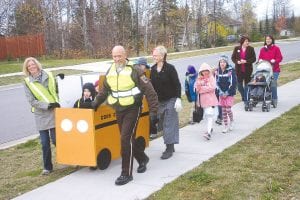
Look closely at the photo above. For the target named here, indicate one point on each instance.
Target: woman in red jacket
(272, 53)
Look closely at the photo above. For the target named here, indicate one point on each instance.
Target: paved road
(17, 121)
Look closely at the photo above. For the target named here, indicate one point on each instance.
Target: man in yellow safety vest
(123, 87)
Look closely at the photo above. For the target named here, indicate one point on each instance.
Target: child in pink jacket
(206, 86)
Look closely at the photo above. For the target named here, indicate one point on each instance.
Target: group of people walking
(216, 87)
(125, 85)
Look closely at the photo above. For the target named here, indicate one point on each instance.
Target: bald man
(124, 87)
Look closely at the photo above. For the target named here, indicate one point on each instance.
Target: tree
(280, 24)
(29, 19)
(248, 18)
(267, 25)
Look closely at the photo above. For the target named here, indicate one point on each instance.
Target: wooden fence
(22, 46)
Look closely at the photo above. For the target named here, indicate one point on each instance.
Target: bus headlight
(66, 125)
(82, 126)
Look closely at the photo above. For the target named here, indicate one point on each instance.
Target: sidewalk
(192, 151)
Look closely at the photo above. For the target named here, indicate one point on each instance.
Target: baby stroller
(259, 89)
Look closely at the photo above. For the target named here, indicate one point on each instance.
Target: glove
(53, 105)
(61, 76)
(178, 106)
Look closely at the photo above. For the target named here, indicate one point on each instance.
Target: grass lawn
(265, 165)
(15, 66)
(19, 78)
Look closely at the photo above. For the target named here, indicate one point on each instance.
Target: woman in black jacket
(165, 81)
(243, 57)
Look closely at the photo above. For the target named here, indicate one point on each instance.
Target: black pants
(153, 124)
(128, 121)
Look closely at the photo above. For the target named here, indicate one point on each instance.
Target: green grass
(21, 167)
(265, 165)
(15, 66)
(19, 78)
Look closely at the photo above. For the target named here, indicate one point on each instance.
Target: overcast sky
(262, 6)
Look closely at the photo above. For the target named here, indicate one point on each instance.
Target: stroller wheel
(264, 107)
(246, 105)
(274, 103)
(268, 107)
(250, 107)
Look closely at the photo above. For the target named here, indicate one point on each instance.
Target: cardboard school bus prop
(88, 138)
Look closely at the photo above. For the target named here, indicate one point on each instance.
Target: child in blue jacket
(190, 79)
(226, 87)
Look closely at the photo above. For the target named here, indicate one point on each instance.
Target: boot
(168, 152)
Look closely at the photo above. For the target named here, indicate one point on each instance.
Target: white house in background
(286, 32)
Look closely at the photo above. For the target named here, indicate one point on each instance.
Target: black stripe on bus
(115, 122)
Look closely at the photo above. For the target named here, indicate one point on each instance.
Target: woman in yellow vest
(40, 90)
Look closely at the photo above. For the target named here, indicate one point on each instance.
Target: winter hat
(204, 66)
(191, 69)
(224, 57)
(143, 61)
(91, 88)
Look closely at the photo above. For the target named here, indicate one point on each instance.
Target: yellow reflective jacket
(40, 92)
(123, 88)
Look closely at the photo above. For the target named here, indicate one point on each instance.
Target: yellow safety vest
(40, 92)
(123, 88)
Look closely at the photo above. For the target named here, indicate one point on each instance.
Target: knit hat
(204, 66)
(91, 88)
(143, 61)
(224, 57)
(191, 69)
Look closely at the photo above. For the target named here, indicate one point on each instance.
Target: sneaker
(153, 136)
(225, 130)
(46, 172)
(231, 125)
(207, 136)
(191, 122)
(219, 121)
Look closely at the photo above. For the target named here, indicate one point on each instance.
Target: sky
(262, 6)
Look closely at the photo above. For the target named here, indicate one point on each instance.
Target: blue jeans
(46, 148)
(243, 89)
(274, 85)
